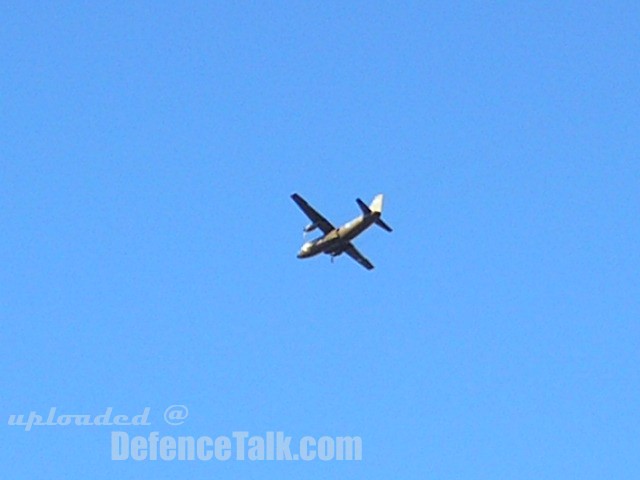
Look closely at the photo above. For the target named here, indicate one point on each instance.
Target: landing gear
(334, 255)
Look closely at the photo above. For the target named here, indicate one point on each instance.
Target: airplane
(336, 241)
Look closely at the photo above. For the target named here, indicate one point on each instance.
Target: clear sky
(148, 152)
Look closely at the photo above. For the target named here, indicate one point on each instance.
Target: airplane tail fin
(376, 205)
(375, 208)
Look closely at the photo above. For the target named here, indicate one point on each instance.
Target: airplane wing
(357, 256)
(322, 223)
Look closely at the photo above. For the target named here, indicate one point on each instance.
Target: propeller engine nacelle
(310, 228)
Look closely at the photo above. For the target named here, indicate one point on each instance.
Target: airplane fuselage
(335, 242)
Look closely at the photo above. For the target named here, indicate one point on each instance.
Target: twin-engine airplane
(336, 241)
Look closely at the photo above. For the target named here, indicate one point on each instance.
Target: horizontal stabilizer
(383, 225)
(363, 206)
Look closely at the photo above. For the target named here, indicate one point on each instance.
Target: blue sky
(148, 243)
